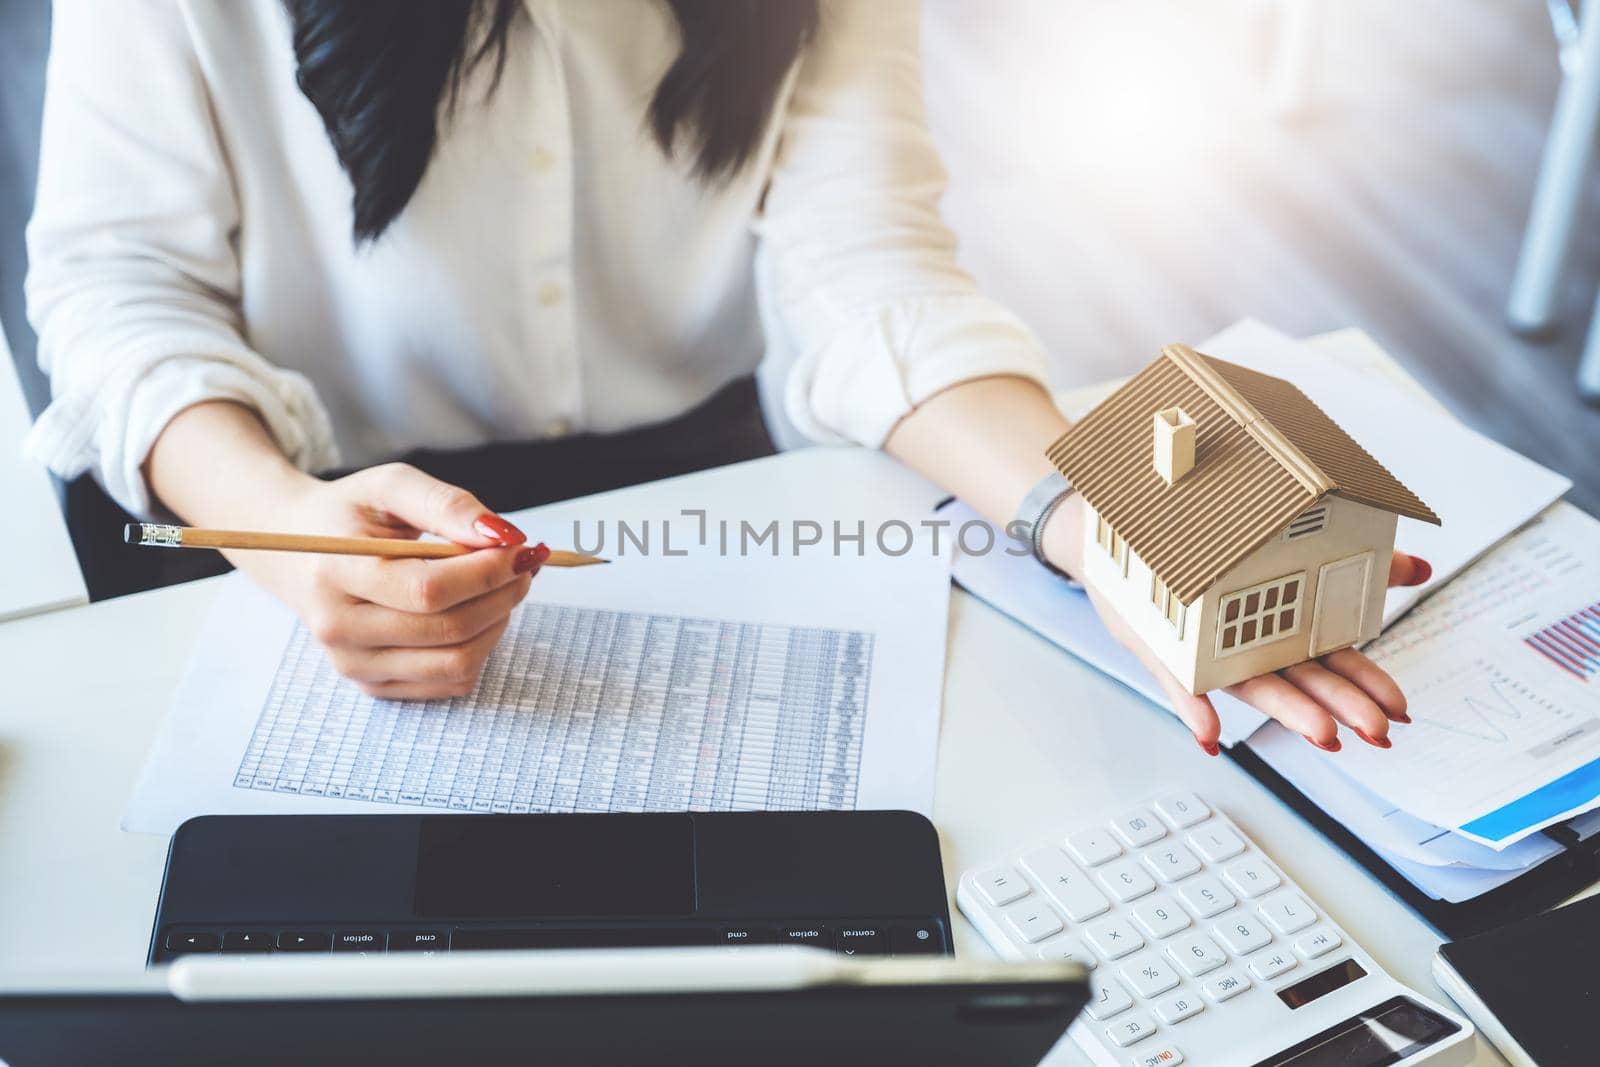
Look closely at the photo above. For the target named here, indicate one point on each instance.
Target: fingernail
(1375, 742)
(498, 529)
(1210, 748)
(527, 560)
(1333, 746)
(1421, 570)
(1400, 716)
(541, 550)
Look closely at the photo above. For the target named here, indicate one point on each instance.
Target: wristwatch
(1035, 510)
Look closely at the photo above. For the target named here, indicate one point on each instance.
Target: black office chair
(110, 568)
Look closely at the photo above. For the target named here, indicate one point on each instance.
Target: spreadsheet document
(582, 709)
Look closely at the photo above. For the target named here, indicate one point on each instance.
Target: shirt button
(550, 294)
(542, 160)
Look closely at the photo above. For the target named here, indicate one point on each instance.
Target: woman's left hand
(1311, 698)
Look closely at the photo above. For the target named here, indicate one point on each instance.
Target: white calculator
(1201, 951)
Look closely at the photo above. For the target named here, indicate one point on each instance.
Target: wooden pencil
(164, 536)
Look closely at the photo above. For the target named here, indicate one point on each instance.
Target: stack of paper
(1501, 667)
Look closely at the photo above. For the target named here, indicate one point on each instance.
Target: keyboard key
(860, 941)
(1206, 896)
(1138, 828)
(1182, 810)
(1065, 884)
(1196, 954)
(1242, 934)
(1125, 879)
(915, 941)
(1251, 876)
(1068, 948)
(809, 934)
(1149, 975)
(1106, 998)
(1113, 937)
(303, 941)
(1093, 846)
(192, 942)
(1287, 911)
(737, 936)
(1131, 1028)
(1165, 1056)
(1032, 920)
(1171, 862)
(1271, 964)
(1318, 942)
(1179, 1006)
(1160, 916)
(1000, 885)
(425, 942)
(235, 941)
(366, 942)
(1227, 984)
(1216, 842)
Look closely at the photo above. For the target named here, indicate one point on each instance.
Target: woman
(273, 240)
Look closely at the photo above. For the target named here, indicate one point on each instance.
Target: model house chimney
(1174, 444)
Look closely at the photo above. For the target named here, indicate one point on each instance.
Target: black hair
(378, 71)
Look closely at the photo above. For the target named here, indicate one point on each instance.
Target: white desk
(1030, 737)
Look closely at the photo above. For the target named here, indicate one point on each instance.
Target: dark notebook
(1535, 982)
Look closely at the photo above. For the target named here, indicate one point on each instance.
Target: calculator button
(1251, 876)
(1165, 1056)
(1318, 942)
(1065, 884)
(1216, 843)
(187, 942)
(1138, 827)
(1032, 920)
(1125, 879)
(1206, 896)
(1000, 885)
(1171, 862)
(1287, 911)
(1106, 998)
(1196, 954)
(1160, 916)
(1179, 1006)
(1242, 935)
(1225, 985)
(1149, 975)
(1093, 846)
(303, 941)
(1113, 937)
(1182, 810)
(1271, 964)
(1068, 949)
(1131, 1028)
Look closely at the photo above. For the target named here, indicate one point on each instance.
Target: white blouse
(554, 272)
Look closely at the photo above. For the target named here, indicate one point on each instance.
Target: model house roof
(1263, 454)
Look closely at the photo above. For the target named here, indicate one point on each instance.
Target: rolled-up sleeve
(859, 268)
(134, 279)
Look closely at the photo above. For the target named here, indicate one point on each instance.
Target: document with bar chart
(704, 684)
(1500, 671)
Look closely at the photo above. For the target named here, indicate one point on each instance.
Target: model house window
(1259, 614)
(1112, 542)
(1169, 606)
(1313, 521)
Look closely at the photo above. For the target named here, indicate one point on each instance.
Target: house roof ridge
(1289, 456)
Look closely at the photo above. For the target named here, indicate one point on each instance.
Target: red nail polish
(1376, 742)
(498, 529)
(1422, 570)
(542, 550)
(1334, 746)
(527, 560)
(1400, 716)
(1210, 748)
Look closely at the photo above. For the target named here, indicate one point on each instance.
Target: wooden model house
(1230, 522)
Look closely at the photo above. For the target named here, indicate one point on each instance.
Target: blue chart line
(1484, 709)
(1572, 643)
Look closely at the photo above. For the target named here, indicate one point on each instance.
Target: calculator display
(1377, 1037)
(1321, 984)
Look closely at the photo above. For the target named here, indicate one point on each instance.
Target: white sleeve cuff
(868, 376)
(109, 426)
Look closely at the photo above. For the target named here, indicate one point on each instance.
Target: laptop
(777, 1005)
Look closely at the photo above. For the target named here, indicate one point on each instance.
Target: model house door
(1341, 601)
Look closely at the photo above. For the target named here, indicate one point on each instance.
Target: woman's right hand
(399, 628)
